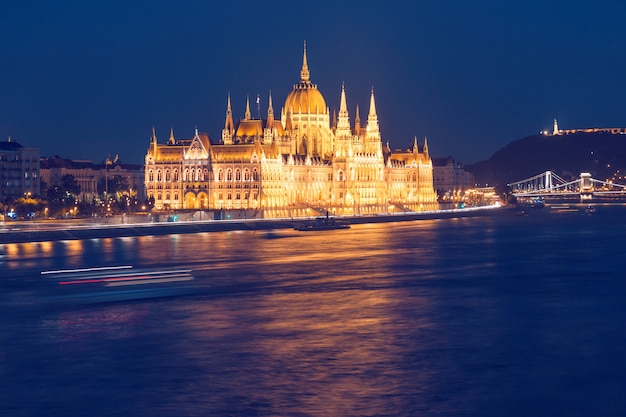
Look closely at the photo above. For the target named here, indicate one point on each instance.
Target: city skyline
(88, 81)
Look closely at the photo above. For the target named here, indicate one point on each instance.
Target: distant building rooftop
(9, 145)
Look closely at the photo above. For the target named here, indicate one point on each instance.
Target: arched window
(205, 175)
(237, 175)
(255, 175)
(229, 175)
(220, 175)
(186, 175)
(175, 196)
(167, 175)
(175, 175)
(159, 195)
(246, 174)
(167, 196)
(150, 175)
(159, 176)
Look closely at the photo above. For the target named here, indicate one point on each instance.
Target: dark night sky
(85, 79)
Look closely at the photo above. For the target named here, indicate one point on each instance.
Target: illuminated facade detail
(300, 165)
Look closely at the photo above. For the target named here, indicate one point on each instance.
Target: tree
(116, 184)
(26, 205)
(63, 196)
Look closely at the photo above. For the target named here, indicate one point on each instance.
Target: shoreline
(41, 232)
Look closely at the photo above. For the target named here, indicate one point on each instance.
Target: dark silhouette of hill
(600, 153)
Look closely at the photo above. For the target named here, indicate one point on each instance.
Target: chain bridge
(550, 185)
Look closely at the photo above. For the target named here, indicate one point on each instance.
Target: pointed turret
(343, 123)
(268, 134)
(425, 152)
(172, 140)
(357, 121)
(305, 75)
(372, 118)
(247, 115)
(270, 114)
(153, 138)
(556, 128)
(415, 146)
(334, 125)
(288, 121)
(229, 124)
(372, 113)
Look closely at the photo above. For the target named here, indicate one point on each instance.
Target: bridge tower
(548, 181)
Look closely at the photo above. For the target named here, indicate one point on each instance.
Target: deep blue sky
(86, 79)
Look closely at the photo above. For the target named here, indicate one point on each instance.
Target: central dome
(305, 97)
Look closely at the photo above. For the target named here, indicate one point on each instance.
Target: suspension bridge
(551, 186)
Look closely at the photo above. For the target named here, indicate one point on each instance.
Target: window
(151, 175)
(167, 175)
(159, 178)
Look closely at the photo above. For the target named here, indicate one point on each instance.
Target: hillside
(600, 153)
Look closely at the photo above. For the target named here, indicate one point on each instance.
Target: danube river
(500, 315)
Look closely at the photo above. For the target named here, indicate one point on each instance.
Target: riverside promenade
(34, 231)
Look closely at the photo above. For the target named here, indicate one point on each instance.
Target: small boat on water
(322, 223)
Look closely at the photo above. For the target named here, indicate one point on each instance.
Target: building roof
(10, 146)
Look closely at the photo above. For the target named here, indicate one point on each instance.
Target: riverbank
(11, 232)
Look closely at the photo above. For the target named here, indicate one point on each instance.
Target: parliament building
(295, 163)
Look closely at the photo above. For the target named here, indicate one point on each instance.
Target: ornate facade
(300, 164)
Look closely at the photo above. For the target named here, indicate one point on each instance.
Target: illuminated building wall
(298, 165)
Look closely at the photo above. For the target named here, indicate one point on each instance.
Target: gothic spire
(229, 125)
(372, 118)
(357, 121)
(305, 75)
(247, 116)
(172, 140)
(344, 119)
(372, 107)
(343, 107)
(270, 114)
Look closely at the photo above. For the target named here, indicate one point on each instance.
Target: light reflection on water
(484, 316)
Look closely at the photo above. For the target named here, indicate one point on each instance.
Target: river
(479, 316)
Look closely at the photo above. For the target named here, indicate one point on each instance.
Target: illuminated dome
(305, 97)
